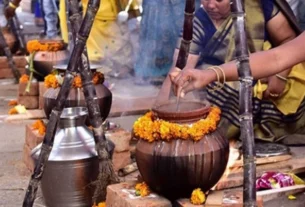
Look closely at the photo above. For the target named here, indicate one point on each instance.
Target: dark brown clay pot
(76, 98)
(44, 61)
(175, 168)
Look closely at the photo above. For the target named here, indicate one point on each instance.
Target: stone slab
(32, 137)
(20, 62)
(8, 73)
(120, 138)
(122, 195)
(34, 89)
(121, 159)
(30, 102)
(27, 159)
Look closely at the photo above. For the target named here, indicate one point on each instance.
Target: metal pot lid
(72, 141)
(93, 66)
(270, 149)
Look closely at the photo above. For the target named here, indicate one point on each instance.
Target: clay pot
(175, 168)
(76, 98)
(45, 60)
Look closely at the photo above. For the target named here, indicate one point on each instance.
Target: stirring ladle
(123, 15)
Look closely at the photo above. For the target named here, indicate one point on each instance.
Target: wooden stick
(245, 104)
(9, 56)
(60, 102)
(103, 147)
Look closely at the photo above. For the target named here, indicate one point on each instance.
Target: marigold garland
(12, 111)
(24, 78)
(40, 126)
(51, 80)
(152, 130)
(101, 204)
(142, 189)
(197, 197)
(13, 103)
(36, 45)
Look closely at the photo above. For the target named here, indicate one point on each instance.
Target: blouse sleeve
(270, 9)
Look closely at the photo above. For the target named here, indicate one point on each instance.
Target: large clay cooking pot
(175, 168)
(76, 98)
(44, 61)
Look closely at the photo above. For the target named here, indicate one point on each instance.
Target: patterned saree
(273, 120)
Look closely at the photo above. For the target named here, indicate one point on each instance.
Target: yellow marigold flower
(40, 126)
(50, 81)
(77, 82)
(151, 130)
(12, 102)
(24, 78)
(12, 111)
(142, 189)
(197, 197)
(101, 204)
(98, 78)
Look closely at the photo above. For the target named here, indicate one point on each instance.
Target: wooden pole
(9, 56)
(245, 104)
(103, 147)
(48, 141)
(187, 34)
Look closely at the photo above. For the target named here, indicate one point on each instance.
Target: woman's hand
(187, 80)
(275, 88)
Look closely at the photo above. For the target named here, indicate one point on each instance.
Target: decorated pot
(76, 98)
(72, 165)
(44, 61)
(184, 151)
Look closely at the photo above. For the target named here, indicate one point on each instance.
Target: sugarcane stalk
(103, 147)
(17, 30)
(9, 56)
(48, 141)
(245, 104)
(187, 34)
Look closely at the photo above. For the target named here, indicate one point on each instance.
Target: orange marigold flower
(77, 82)
(12, 102)
(151, 130)
(12, 111)
(98, 78)
(197, 197)
(24, 78)
(36, 45)
(142, 189)
(50, 81)
(40, 126)
(101, 204)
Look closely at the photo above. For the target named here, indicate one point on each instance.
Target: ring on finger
(274, 94)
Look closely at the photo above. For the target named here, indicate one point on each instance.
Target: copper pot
(76, 98)
(44, 61)
(175, 168)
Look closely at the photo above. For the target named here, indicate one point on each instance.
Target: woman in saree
(278, 107)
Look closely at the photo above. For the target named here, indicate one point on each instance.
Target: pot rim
(182, 116)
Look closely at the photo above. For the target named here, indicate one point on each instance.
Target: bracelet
(12, 5)
(219, 85)
(281, 77)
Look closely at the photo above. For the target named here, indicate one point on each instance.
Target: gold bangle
(223, 74)
(12, 5)
(218, 84)
(281, 77)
